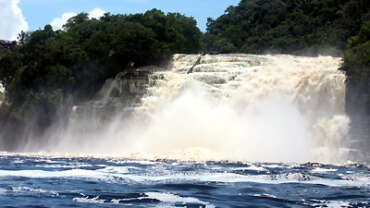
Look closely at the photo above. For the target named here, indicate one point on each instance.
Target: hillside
(55, 69)
(306, 27)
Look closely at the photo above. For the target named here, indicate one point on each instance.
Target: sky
(29, 15)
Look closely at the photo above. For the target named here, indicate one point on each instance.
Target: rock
(118, 96)
(358, 109)
(133, 82)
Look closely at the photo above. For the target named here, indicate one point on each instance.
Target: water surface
(45, 181)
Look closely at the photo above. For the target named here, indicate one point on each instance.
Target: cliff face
(357, 67)
(118, 96)
(358, 108)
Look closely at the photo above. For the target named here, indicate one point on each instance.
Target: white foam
(324, 170)
(116, 201)
(265, 195)
(142, 162)
(71, 165)
(161, 175)
(45, 160)
(18, 161)
(359, 181)
(172, 199)
(116, 169)
(75, 173)
(273, 166)
(336, 204)
(95, 200)
(251, 167)
(18, 189)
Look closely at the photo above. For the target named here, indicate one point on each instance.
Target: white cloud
(57, 23)
(12, 21)
(96, 13)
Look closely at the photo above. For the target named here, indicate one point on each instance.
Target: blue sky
(41, 12)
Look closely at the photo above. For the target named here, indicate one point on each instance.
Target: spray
(236, 107)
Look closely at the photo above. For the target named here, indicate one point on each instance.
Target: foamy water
(59, 181)
(236, 107)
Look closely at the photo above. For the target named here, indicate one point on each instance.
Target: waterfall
(2, 92)
(275, 108)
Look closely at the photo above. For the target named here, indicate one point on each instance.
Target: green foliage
(307, 27)
(52, 68)
(2, 52)
(357, 57)
(357, 67)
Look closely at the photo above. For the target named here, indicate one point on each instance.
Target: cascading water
(243, 108)
(2, 91)
(232, 107)
(248, 107)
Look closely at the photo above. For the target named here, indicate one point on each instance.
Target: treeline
(306, 27)
(53, 70)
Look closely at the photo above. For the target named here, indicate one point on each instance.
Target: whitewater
(236, 107)
(240, 130)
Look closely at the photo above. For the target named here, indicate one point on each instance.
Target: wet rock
(118, 96)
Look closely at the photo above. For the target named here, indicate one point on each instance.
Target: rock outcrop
(118, 96)
(358, 108)
(133, 82)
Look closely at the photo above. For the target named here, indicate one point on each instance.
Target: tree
(53, 70)
(286, 26)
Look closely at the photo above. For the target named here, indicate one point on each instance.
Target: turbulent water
(60, 181)
(239, 131)
(232, 107)
(244, 107)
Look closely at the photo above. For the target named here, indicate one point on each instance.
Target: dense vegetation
(357, 67)
(287, 26)
(2, 51)
(54, 69)
(357, 56)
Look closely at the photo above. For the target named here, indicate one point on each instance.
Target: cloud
(57, 23)
(96, 13)
(12, 21)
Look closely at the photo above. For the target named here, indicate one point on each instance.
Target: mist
(274, 108)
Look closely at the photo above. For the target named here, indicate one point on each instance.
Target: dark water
(40, 181)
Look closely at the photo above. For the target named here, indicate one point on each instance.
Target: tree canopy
(357, 61)
(287, 26)
(54, 69)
